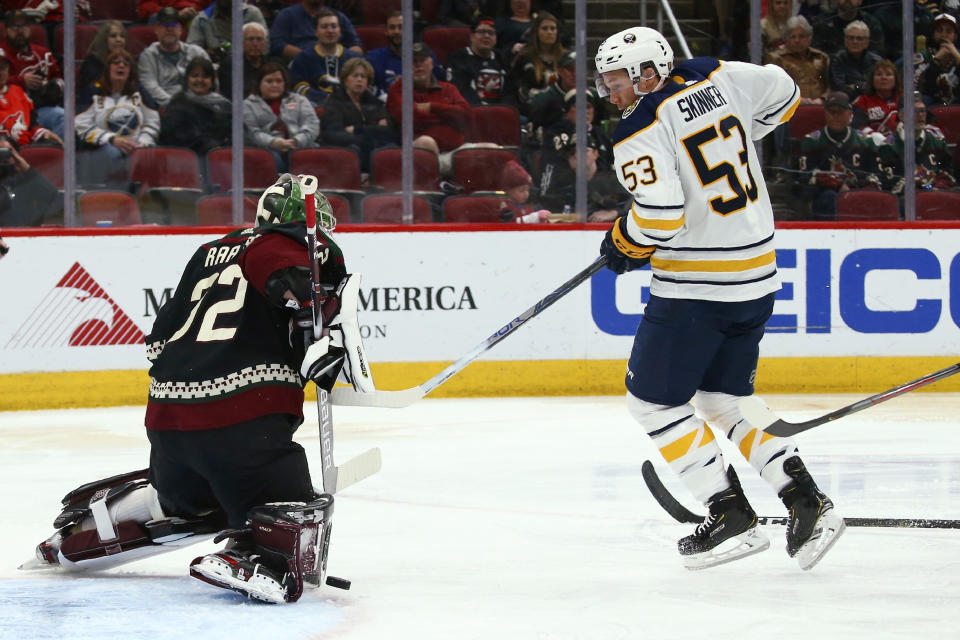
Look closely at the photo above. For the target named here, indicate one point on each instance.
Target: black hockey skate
(813, 526)
(730, 519)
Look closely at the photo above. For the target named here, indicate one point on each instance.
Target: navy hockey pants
(685, 345)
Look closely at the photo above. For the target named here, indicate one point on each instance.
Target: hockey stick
(681, 514)
(758, 414)
(366, 464)
(406, 397)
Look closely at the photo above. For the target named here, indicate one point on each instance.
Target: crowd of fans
(309, 81)
(847, 61)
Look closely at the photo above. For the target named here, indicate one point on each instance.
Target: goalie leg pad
(345, 333)
(114, 521)
(285, 546)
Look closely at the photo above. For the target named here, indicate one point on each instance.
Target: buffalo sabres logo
(629, 38)
(123, 120)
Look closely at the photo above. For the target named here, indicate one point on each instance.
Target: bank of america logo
(77, 312)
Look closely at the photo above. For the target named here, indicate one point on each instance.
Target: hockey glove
(622, 253)
(322, 363)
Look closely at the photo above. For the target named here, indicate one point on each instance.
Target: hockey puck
(339, 583)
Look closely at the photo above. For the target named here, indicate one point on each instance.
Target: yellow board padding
(58, 390)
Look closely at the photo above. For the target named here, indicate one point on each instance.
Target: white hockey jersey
(686, 155)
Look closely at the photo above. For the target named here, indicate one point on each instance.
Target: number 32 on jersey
(694, 145)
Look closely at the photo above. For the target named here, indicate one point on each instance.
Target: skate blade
(750, 542)
(222, 576)
(826, 533)
(36, 564)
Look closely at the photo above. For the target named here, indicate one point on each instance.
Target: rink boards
(859, 310)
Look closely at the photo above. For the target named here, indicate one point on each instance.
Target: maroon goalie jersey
(221, 352)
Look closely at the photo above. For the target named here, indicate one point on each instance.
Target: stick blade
(356, 469)
(664, 498)
(343, 396)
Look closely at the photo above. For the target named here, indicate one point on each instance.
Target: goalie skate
(239, 572)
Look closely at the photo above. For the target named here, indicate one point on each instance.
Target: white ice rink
(516, 519)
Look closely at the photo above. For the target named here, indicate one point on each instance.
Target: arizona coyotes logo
(77, 312)
(14, 125)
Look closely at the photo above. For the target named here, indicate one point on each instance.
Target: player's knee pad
(720, 410)
(114, 521)
(345, 333)
(290, 540)
(654, 417)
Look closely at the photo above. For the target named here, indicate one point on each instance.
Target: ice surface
(516, 518)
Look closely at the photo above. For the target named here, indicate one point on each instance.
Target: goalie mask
(634, 50)
(283, 202)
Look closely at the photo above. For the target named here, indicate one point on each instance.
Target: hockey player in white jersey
(702, 219)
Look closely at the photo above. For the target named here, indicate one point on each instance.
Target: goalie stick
(681, 514)
(366, 464)
(758, 414)
(406, 397)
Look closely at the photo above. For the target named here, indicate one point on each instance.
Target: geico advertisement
(86, 302)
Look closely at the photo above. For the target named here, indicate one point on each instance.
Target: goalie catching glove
(341, 351)
(621, 252)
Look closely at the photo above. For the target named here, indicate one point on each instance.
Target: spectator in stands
(34, 68)
(197, 117)
(557, 137)
(547, 107)
(277, 119)
(457, 13)
(315, 72)
(512, 30)
(835, 159)
(830, 30)
(254, 57)
(111, 36)
(875, 110)
(440, 114)
(849, 66)
(809, 67)
(212, 29)
(535, 68)
(116, 123)
(27, 198)
(773, 26)
(890, 15)
(516, 182)
(16, 111)
(558, 187)
(149, 10)
(353, 116)
(938, 73)
(386, 61)
(934, 166)
(294, 30)
(162, 64)
(478, 71)
(50, 11)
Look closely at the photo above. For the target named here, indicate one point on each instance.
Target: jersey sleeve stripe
(716, 266)
(657, 223)
(793, 100)
(713, 283)
(658, 207)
